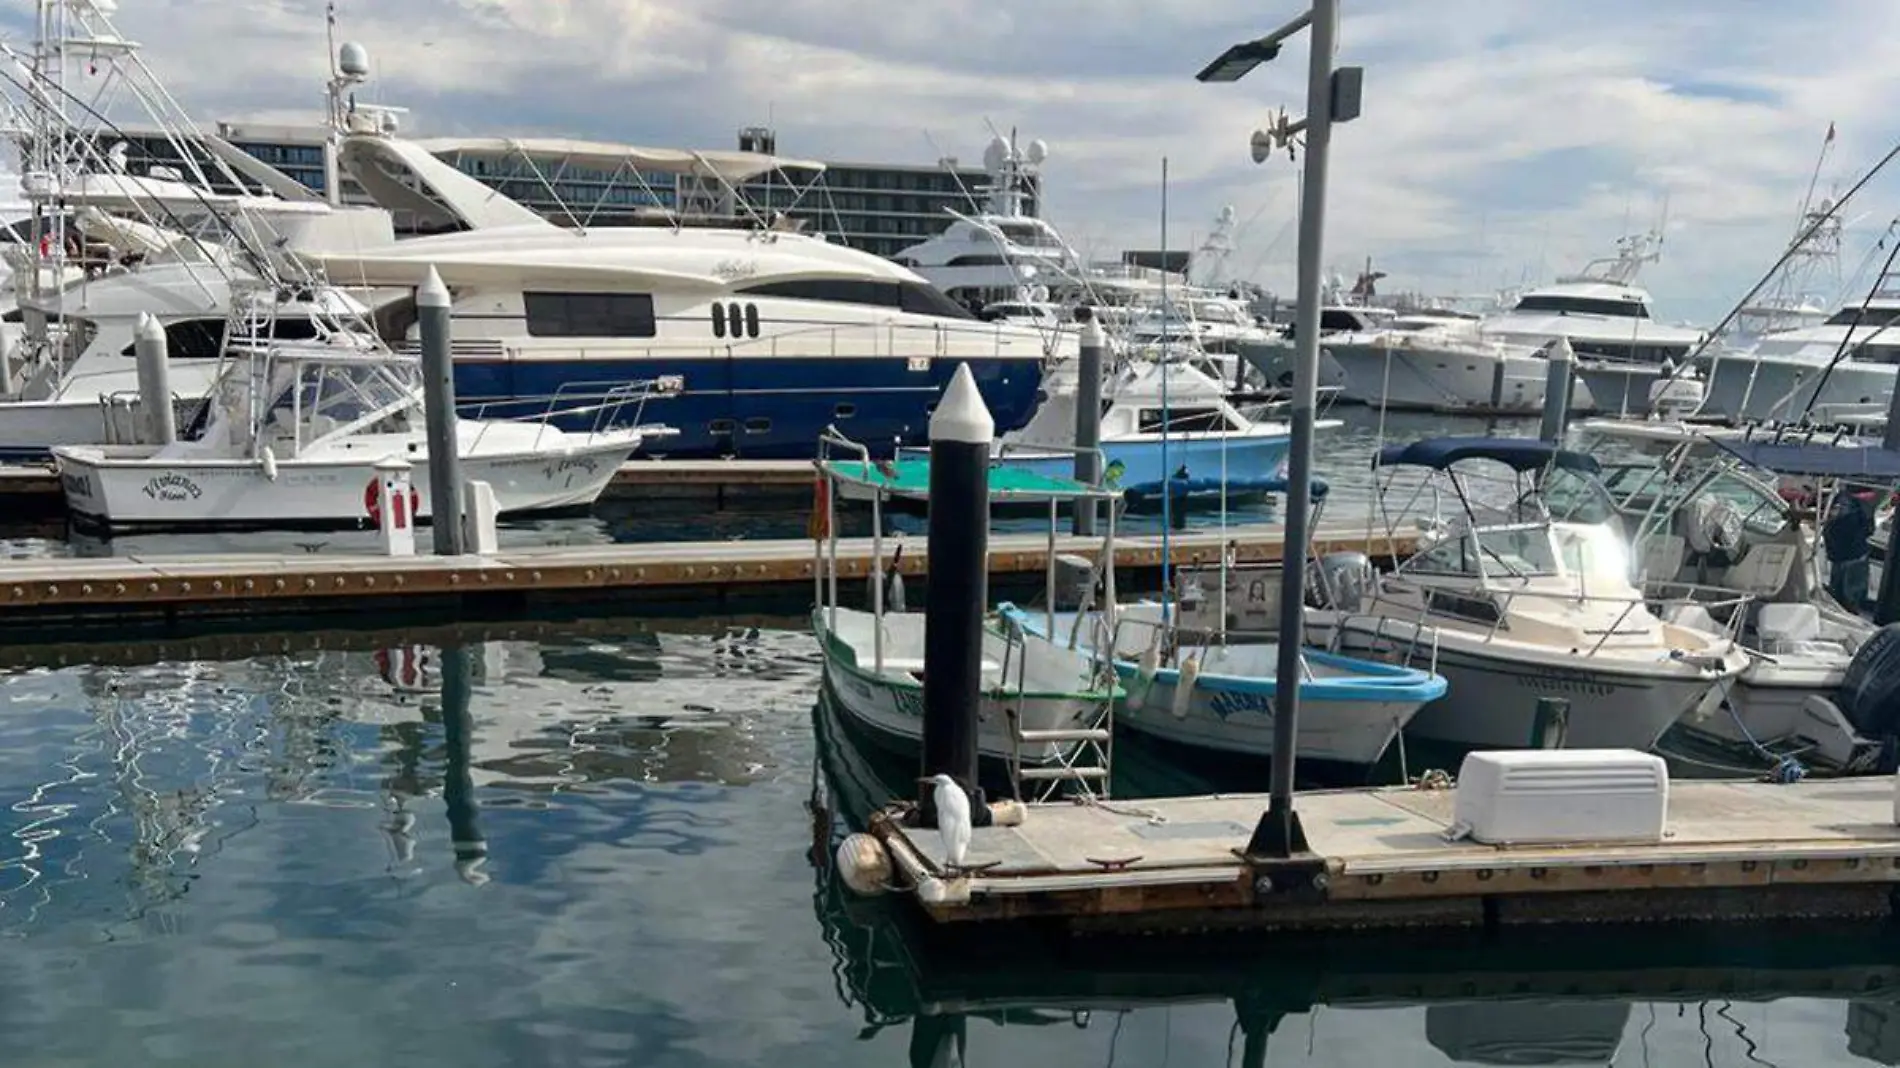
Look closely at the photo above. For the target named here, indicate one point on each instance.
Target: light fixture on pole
(1278, 851)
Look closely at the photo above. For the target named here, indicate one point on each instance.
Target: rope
(1786, 769)
(1130, 811)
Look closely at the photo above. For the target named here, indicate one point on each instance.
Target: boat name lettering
(1569, 682)
(1229, 703)
(589, 464)
(172, 487)
(731, 269)
(78, 483)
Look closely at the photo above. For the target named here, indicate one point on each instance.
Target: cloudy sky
(1502, 141)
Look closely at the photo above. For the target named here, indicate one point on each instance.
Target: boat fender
(1184, 688)
(864, 865)
(269, 460)
(894, 596)
(1870, 689)
(1145, 670)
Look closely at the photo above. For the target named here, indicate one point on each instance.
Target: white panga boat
(1527, 607)
(1045, 707)
(292, 434)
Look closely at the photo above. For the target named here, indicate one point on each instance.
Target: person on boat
(1847, 538)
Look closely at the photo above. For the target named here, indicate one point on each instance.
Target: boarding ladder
(1084, 756)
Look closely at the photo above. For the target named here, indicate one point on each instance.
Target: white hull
(1341, 732)
(1492, 702)
(1441, 379)
(121, 491)
(891, 703)
(78, 415)
(1748, 388)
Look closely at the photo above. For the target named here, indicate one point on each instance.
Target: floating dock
(1380, 858)
(167, 589)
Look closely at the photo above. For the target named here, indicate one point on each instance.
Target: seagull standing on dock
(953, 819)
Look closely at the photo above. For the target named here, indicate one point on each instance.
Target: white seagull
(953, 819)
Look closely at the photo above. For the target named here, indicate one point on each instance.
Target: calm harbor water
(603, 855)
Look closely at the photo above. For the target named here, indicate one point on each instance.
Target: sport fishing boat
(1044, 705)
(1511, 605)
(293, 433)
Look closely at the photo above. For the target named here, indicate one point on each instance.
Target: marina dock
(1734, 850)
(167, 589)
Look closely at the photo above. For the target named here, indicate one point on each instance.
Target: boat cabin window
(1559, 304)
(1331, 319)
(978, 259)
(1183, 420)
(1870, 317)
(1026, 234)
(914, 297)
(330, 396)
(590, 314)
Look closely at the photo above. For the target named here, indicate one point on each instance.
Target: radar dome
(996, 155)
(1038, 151)
(353, 60)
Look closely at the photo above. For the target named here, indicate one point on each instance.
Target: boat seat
(1787, 628)
(1662, 557)
(1764, 571)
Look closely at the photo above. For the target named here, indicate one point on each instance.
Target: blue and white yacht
(769, 335)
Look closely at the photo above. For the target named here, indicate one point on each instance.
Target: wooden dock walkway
(1733, 850)
(125, 589)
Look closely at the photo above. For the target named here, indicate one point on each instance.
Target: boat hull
(102, 490)
(1141, 464)
(1348, 732)
(1492, 700)
(771, 407)
(1761, 388)
(1420, 377)
(891, 705)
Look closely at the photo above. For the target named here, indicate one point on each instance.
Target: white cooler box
(1562, 796)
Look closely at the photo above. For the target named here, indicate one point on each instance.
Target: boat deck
(1380, 857)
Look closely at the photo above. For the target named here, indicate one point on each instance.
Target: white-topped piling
(158, 424)
(961, 433)
(1559, 375)
(438, 401)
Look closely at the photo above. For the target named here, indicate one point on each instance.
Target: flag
(1830, 134)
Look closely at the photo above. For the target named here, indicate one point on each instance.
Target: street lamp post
(1331, 96)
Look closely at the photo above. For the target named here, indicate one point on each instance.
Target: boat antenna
(1167, 416)
(1819, 219)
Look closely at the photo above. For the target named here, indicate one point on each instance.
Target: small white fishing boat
(293, 432)
(1044, 705)
(1527, 607)
(1218, 692)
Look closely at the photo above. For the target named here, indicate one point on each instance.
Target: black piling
(961, 432)
(458, 782)
(1887, 601)
(1088, 417)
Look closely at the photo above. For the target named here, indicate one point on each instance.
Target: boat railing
(1492, 609)
(604, 400)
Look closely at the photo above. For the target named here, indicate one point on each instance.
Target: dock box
(1540, 796)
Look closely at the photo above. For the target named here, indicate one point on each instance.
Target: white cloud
(1502, 139)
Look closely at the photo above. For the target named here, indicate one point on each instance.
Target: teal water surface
(604, 855)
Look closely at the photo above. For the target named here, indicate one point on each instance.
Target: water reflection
(1518, 996)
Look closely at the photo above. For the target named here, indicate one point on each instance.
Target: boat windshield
(1495, 552)
(322, 398)
(1646, 494)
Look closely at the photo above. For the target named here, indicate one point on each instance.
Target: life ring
(373, 504)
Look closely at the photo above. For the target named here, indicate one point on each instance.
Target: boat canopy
(911, 478)
(1812, 460)
(1520, 454)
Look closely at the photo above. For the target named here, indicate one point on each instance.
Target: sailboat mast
(1167, 416)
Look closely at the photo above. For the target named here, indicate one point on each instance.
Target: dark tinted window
(589, 314)
(1864, 316)
(921, 299)
(1630, 309)
(719, 320)
(752, 319)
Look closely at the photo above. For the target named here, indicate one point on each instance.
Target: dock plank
(1388, 847)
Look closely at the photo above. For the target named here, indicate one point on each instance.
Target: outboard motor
(1345, 579)
(1870, 691)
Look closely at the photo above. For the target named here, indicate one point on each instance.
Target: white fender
(1184, 689)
